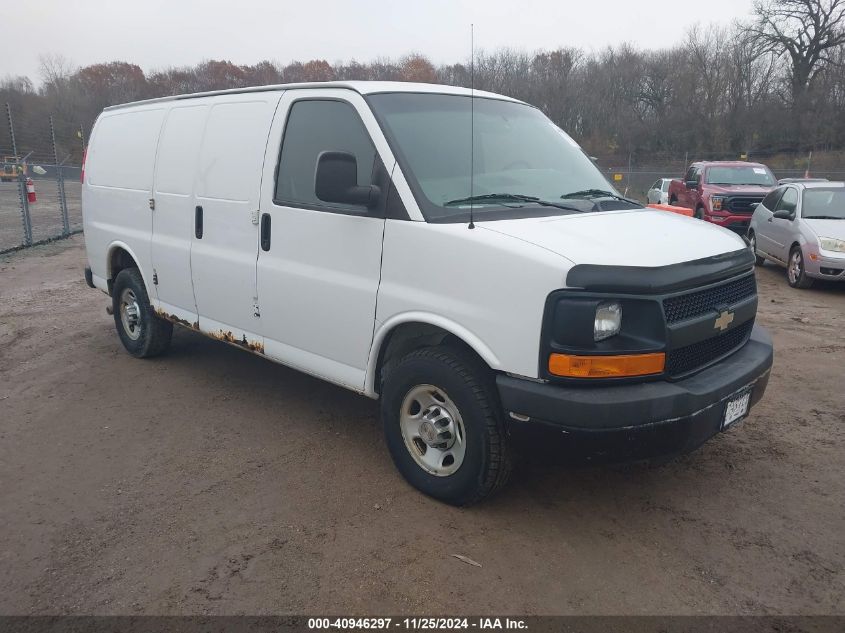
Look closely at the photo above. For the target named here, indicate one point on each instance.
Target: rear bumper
(644, 420)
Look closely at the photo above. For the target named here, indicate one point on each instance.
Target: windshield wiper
(511, 197)
(587, 194)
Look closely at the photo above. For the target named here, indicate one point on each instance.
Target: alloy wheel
(796, 263)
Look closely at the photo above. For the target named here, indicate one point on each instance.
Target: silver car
(659, 192)
(801, 225)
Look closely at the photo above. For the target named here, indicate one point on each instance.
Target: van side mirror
(691, 184)
(337, 181)
(783, 214)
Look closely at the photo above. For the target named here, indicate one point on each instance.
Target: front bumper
(823, 267)
(638, 421)
(734, 222)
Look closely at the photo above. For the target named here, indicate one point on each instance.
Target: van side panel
(223, 260)
(118, 186)
(173, 218)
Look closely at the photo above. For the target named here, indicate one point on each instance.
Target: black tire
(469, 386)
(699, 212)
(151, 335)
(752, 244)
(797, 277)
(673, 201)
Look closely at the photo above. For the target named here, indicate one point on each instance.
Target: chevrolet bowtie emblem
(723, 320)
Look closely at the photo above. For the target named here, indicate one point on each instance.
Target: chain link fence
(40, 188)
(634, 174)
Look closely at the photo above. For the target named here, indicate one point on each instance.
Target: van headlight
(608, 320)
(831, 244)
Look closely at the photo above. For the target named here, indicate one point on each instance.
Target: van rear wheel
(443, 426)
(142, 333)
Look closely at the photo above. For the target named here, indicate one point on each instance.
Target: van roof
(361, 87)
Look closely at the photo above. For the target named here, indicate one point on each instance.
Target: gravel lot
(212, 481)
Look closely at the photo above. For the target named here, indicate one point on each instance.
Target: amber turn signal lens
(606, 366)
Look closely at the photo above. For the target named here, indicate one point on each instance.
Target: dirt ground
(210, 481)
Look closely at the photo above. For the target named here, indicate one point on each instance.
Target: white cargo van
(456, 256)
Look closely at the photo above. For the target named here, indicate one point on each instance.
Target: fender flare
(124, 246)
(428, 318)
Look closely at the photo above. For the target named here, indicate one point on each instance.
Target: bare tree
(55, 69)
(17, 83)
(807, 31)
(721, 90)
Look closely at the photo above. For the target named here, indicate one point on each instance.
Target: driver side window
(771, 199)
(315, 126)
(789, 201)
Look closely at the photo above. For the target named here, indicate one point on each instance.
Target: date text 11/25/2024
(415, 624)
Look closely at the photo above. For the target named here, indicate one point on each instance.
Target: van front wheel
(142, 333)
(443, 426)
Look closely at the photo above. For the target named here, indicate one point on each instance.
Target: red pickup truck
(723, 192)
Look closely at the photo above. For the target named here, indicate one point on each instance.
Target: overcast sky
(159, 33)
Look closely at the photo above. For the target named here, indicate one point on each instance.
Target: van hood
(641, 237)
(827, 228)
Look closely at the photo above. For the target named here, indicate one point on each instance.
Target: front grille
(691, 357)
(742, 204)
(695, 304)
(740, 228)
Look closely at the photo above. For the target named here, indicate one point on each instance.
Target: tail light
(82, 173)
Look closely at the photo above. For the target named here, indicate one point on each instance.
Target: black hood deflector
(660, 279)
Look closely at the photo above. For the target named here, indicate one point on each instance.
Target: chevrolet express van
(455, 255)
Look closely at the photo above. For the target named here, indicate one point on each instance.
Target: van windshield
(519, 154)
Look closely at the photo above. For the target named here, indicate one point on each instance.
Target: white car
(659, 192)
(482, 286)
(801, 225)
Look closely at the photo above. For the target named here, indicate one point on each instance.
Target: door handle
(265, 232)
(198, 222)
